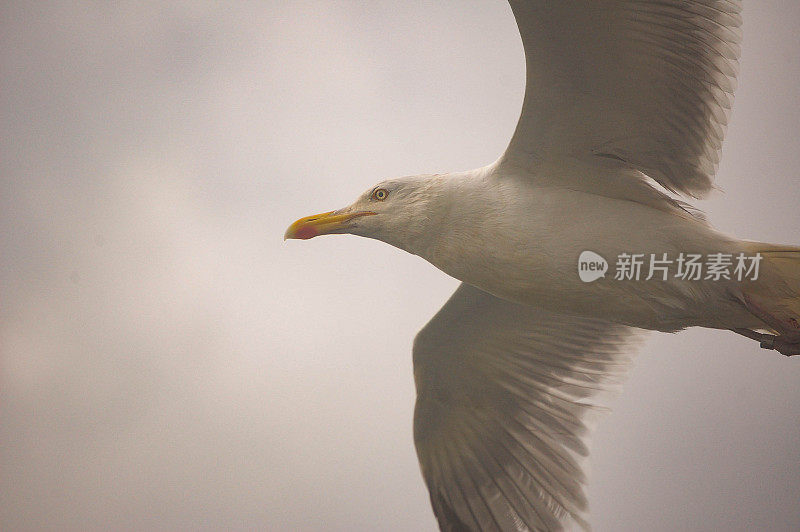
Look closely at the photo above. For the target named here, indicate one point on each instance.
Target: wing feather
(500, 425)
(648, 83)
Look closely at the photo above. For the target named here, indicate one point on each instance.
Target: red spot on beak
(306, 232)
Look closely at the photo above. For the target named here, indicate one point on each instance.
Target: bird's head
(396, 211)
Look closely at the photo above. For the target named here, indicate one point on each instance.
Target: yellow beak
(321, 224)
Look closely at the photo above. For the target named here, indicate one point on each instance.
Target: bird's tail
(776, 291)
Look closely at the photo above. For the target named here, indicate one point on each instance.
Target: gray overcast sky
(169, 363)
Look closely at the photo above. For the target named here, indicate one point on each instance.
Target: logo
(591, 266)
(662, 267)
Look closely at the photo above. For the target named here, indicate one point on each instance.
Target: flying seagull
(568, 246)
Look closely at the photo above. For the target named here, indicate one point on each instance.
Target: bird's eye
(380, 194)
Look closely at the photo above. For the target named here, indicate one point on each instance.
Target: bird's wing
(648, 83)
(500, 424)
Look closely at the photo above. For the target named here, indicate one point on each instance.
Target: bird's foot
(786, 342)
(788, 345)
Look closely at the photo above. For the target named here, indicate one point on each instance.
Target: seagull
(625, 110)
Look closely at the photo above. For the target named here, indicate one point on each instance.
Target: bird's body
(625, 107)
(520, 240)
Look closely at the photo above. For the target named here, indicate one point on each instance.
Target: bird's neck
(445, 222)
